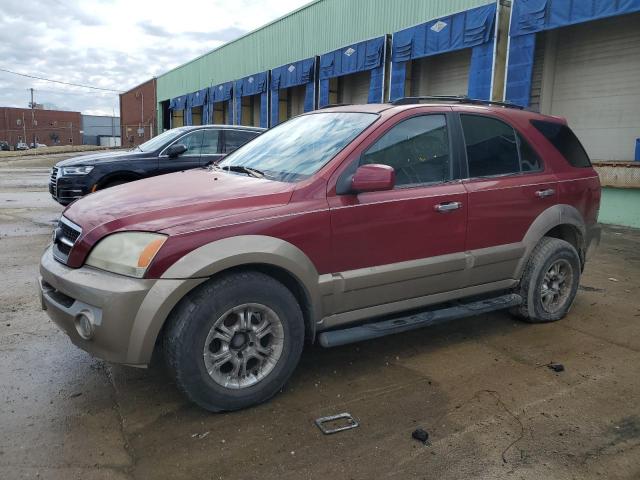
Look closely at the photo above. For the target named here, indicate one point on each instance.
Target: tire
(540, 275)
(227, 316)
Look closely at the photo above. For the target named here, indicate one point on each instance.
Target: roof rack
(331, 105)
(454, 98)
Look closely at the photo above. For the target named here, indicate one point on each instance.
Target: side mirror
(176, 149)
(373, 178)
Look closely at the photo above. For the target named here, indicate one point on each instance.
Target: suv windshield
(159, 141)
(298, 148)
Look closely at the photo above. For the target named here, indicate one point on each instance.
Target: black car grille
(53, 182)
(65, 236)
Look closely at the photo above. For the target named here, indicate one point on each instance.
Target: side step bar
(335, 338)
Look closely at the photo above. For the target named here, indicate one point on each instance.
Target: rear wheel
(235, 341)
(550, 281)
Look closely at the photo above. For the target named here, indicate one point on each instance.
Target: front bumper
(127, 313)
(65, 190)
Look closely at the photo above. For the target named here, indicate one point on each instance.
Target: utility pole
(33, 118)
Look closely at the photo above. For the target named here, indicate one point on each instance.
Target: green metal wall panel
(620, 206)
(317, 28)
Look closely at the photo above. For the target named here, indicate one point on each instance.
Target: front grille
(65, 236)
(53, 182)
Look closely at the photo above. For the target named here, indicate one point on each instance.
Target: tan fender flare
(552, 217)
(208, 260)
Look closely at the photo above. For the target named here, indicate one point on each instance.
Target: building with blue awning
(580, 60)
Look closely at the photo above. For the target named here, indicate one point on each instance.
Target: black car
(174, 150)
(4, 145)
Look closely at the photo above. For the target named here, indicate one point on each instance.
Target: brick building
(138, 114)
(50, 127)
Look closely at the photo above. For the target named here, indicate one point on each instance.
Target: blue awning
(532, 16)
(251, 85)
(197, 99)
(293, 74)
(178, 103)
(472, 28)
(221, 93)
(454, 32)
(354, 58)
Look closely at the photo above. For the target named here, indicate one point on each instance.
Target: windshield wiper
(242, 169)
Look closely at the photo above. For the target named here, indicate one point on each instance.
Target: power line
(58, 81)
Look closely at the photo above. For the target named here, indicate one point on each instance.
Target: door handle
(545, 193)
(448, 206)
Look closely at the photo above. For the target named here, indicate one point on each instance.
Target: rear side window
(234, 139)
(565, 142)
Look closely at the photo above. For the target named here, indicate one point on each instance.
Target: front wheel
(234, 341)
(550, 281)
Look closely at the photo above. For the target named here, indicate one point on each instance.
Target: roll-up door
(354, 88)
(445, 74)
(536, 76)
(596, 84)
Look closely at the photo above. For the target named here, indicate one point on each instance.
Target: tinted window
(193, 142)
(210, 142)
(417, 148)
(529, 159)
(565, 141)
(234, 139)
(491, 146)
(298, 148)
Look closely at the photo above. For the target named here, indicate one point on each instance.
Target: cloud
(114, 44)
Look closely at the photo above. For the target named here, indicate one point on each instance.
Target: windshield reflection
(297, 149)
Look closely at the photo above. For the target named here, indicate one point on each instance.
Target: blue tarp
(472, 28)
(532, 16)
(252, 85)
(178, 103)
(195, 99)
(220, 93)
(292, 75)
(359, 57)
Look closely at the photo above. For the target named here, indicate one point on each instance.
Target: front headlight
(83, 170)
(128, 253)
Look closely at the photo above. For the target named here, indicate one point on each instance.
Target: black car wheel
(234, 341)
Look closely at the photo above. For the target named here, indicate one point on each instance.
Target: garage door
(354, 88)
(596, 84)
(446, 74)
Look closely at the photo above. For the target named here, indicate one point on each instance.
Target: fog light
(84, 325)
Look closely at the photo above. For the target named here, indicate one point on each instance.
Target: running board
(335, 338)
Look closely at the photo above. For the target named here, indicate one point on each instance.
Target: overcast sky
(114, 44)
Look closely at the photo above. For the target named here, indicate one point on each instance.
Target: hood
(158, 203)
(94, 158)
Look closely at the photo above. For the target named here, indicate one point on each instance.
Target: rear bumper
(126, 313)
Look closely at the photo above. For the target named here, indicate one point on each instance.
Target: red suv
(339, 225)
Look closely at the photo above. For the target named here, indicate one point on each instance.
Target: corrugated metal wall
(317, 28)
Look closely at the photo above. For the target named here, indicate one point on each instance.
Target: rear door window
(565, 141)
(234, 139)
(491, 146)
(210, 143)
(417, 149)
